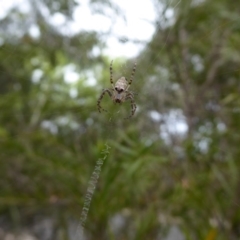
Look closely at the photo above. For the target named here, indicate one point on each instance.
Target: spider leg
(111, 74)
(132, 75)
(133, 104)
(101, 97)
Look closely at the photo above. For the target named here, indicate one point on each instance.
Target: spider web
(124, 71)
(116, 113)
(49, 124)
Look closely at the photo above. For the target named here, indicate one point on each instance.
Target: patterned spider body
(119, 92)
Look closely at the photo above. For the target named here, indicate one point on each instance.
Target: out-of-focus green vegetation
(51, 134)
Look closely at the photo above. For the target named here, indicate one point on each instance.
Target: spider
(119, 93)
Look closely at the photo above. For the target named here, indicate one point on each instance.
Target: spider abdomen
(119, 90)
(121, 84)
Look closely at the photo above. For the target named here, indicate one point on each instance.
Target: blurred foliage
(156, 175)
